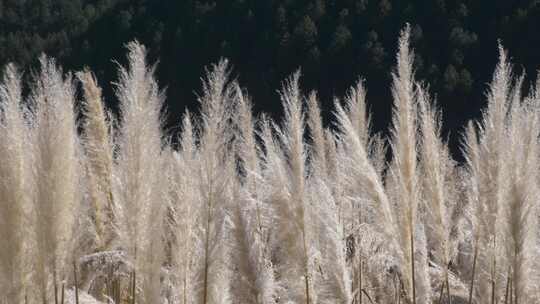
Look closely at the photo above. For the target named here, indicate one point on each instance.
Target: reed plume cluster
(245, 209)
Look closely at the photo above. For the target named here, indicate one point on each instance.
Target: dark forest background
(333, 41)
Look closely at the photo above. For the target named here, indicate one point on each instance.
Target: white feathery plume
(358, 174)
(215, 172)
(98, 147)
(295, 230)
(325, 197)
(333, 278)
(184, 212)
(434, 166)
(356, 204)
(273, 167)
(316, 131)
(256, 279)
(361, 172)
(404, 167)
(474, 176)
(334, 177)
(141, 193)
(377, 153)
(330, 147)
(15, 184)
(520, 212)
(56, 175)
(491, 181)
(421, 255)
(355, 102)
(333, 274)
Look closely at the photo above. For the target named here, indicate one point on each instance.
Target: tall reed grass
(245, 209)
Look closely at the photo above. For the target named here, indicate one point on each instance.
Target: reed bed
(244, 209)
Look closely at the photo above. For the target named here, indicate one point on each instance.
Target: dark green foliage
(334, 42)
